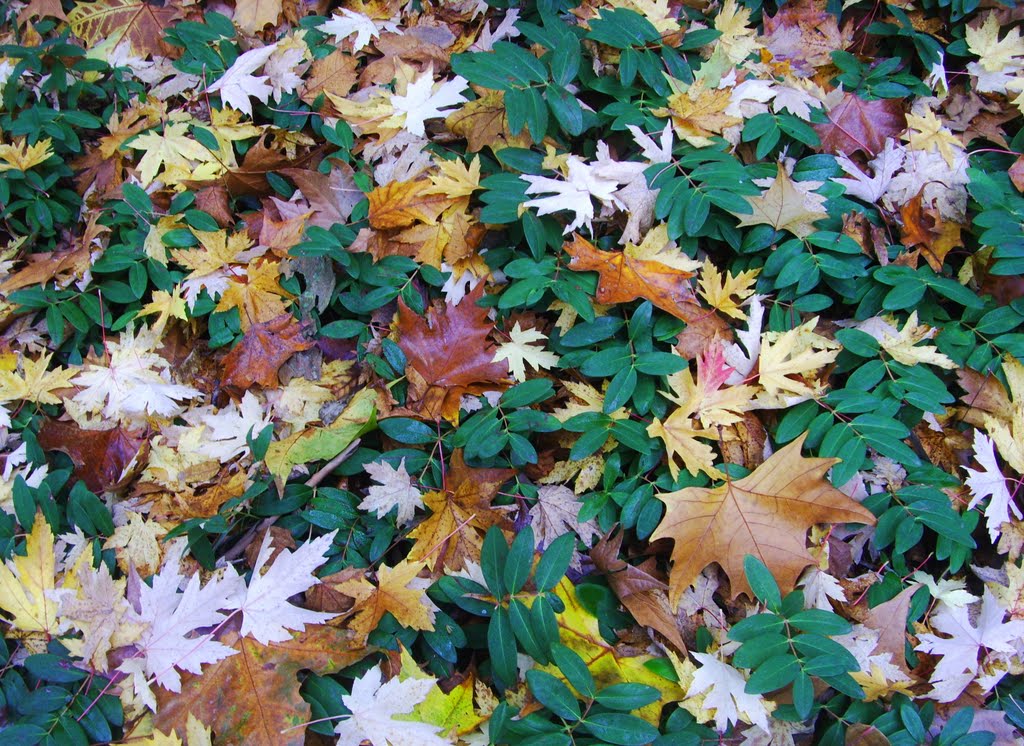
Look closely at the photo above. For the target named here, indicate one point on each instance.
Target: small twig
(239, 548)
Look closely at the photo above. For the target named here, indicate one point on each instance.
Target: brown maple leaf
(766, 514)
(924, 227)
(262, 351)
(399, 204)
(855, 124)
(483, 123)
(332, 196)
(398, 591)
(460, 515)
(100, 456)
(448, 355)
(253, 697)
(141, 24)
(335, 74)
(625, 278)
(641, 593)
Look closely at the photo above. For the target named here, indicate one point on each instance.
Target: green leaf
(762, 582)
(774, 673)
(553, 694)
(493, 560)
(554, 562)
(620, 729)
(519, 561)
(626, 697)
(501, 646)
(574, 669)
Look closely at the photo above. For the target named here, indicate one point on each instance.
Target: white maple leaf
(990, 482)
(573, 193)
(266, 613)
(227, 430)
(884, 166)
(373, 706)
(424, 99)
(949, 591)
(654, 152)
(795, 100)
(819, 587)
(395, 489)
(238, 84)
(518, 351)
(172, 618)
(958, 666)
(725, 694)
(282, 68)
(133, 383)
(347, 22)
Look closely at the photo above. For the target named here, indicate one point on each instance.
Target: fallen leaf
(252, 698)
(262, 351)
(766, 514)
(26, 582)
(100, 456)
(398, 591)
(858, 125)
(643, 595)
(139, 23)
(785, 207)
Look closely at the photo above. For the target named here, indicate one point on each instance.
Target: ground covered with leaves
(617, 371)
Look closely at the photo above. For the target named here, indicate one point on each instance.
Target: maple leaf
(737, 41)
(726, 695)
(332, 196)
(36, 383)
(251, 697)
(448, 355)
(395, 489)
(557, 512)
(483, 122)
(169, 150)
(345, 23)
(855, 124)
(958, 666)
(699, 112)
(133, 383)
(990, 482)
(884, 166)
(425, 99)
(238, 84)
(257, 294)
(518, 351)
(20, 156)
(264, 348)
(94, 605)
(786, 206)
(266, 614)
(251, 16)
(400, 204)
(137, 540)
(643, 595)
(797, 352)
(374, 704)
(170, 640)
(582, 183)
(226, 433)
(609, 664)
(399, 591)
(101, 457)
(767, 514)
(927, 133)
(902, 344)
(626, 276)
(460, 514)
(719, 289)
(27, 582)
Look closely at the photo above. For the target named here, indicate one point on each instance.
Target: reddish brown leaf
(250, 179)
(889, 619)
(448, 355)
(924, 227)
(1017, 173)
(855, 124)
(262, 351)
(642, 594)
(252, 697)
(100, 456)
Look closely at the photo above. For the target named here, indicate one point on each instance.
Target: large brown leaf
(262, 351)
(100, 456)
(332, 196)
(252, 698)
(855, 124)
(625, 278)
(641, 593)
(141, 24)
(766, 514)
(460, 514)
(448, 355)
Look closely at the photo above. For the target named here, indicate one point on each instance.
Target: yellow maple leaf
(154, 243)
(698, 112)
(658, 12)
(399, 591)
(171, 149)
(1008, 432)
(579, 631)
(995, 55)
(737, 41)
(789, 363)
(258, 295)
(455, 179)
(928, 133)
(26, 582)
(518, 351)
(719, 290)
(168, 306)
(903, 346)
(20, 156)
(36, 383)
(136, 543)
